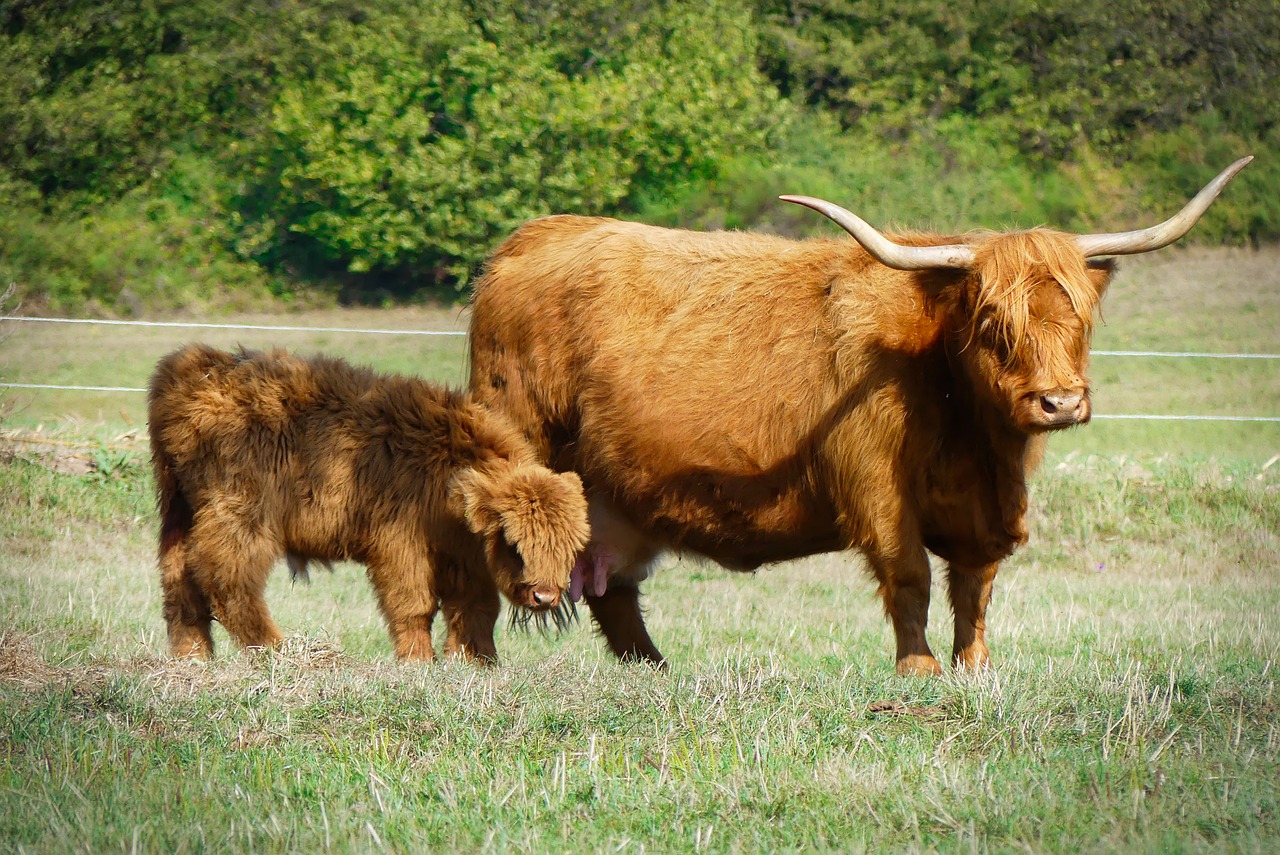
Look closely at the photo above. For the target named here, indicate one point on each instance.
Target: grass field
(1133, 706)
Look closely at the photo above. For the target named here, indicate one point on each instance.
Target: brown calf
(260, 456)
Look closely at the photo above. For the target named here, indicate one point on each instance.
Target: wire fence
(195, 325)
(1146, 354)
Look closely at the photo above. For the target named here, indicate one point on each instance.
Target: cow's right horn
(888, 253)
(1145, 240)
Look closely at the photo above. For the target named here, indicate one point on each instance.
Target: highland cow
(260, 456)
(754, 399)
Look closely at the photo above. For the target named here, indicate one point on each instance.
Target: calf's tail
(175, 517)
(186, 606)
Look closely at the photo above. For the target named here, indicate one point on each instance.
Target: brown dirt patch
(898, 708)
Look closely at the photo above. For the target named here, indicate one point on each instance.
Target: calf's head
(532, 523)
(1023, 311)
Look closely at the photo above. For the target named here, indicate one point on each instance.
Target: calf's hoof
(190, 643)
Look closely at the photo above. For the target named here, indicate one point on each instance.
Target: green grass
(1133, 706)
(1201, 301)
(92, 355)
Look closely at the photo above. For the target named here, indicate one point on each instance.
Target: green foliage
(142, 250)
(425, 140)
(1052, 74)
(80, 108)
(112, 464)
(957, 174)
(1171, 166)
(100, 96)
(381, 148)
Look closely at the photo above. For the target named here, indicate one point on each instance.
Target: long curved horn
(1145, 240)
(888, 253)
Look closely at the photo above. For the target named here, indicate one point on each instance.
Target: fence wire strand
(371, 331)
(197, 325)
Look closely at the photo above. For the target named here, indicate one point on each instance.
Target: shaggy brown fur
(261, 456)
(755, 399)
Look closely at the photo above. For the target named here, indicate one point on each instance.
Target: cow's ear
(471, 499)
(1100, 271)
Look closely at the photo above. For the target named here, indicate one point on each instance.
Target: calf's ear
(572, 479)
(471, 498)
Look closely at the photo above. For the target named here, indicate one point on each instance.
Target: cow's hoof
(916, 665)
(649, 656)
(973, 659)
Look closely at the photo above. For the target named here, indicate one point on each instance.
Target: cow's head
(1024, 317)
(1025, 303)
(532, 523)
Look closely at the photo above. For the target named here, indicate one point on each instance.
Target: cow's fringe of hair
(1016, 260)
(558, 619)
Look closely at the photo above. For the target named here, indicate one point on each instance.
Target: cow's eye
(993, 335)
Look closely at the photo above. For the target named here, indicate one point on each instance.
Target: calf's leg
(470, 602)
(186, 607)
(471, 621)
(408, 603)
(232, 567)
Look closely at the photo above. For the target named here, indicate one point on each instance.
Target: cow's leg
(904, 587)
(617, 615)
(970, 589)
(409, 605)
(621, 558)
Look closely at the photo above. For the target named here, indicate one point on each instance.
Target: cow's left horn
(887, 252)
(1145, 240)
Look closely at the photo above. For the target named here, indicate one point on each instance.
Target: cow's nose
(1061, 402)
(544, 597)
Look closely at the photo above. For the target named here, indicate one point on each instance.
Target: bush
(1054, 75)
(220, 150)
(423, 142)
(144, 250)
(1171, 166)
